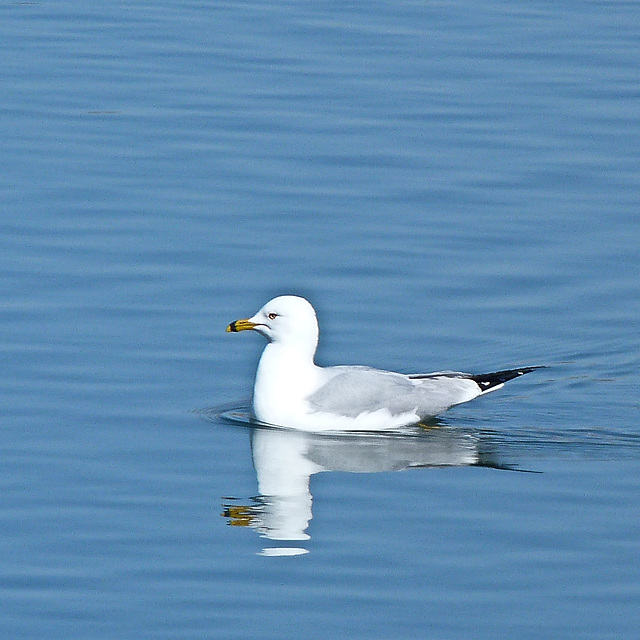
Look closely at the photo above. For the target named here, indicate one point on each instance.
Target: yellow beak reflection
(241, 325)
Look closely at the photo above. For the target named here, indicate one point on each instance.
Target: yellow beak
(241, 325)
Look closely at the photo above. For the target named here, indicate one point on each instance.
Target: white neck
(285, 377)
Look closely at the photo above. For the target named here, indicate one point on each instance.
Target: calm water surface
(454, 186)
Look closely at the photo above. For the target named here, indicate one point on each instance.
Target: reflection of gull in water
(285, 460)
(291, 391)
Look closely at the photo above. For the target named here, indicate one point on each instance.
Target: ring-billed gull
(292, 391)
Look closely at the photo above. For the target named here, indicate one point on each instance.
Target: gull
(291, 391)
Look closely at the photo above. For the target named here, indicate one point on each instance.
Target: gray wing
(351, 391)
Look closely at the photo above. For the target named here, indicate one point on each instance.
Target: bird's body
(292, 391)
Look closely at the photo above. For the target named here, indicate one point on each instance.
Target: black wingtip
(488, 381)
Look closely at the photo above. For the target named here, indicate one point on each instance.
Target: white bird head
(286, 320)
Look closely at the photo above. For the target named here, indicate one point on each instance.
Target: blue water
(453, 185)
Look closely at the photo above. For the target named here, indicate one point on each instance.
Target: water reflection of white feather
(285, 461)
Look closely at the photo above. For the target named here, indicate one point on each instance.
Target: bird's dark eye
(272, 316)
